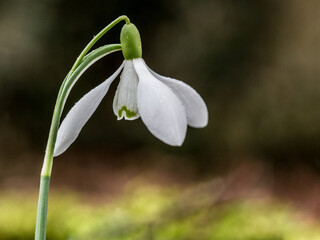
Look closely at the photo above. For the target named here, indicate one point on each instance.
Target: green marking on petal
(129, 113)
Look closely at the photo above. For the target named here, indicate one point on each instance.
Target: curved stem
(96, 38)
(89, 46)
(64, 91)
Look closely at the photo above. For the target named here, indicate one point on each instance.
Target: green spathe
(130, 42)
(128, 113)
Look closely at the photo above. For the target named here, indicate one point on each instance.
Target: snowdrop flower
(165, 105)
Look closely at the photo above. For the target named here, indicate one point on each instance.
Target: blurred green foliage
(155, 213)
(256, 64)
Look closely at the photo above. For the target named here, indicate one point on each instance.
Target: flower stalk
(165, 105)
(83, 62)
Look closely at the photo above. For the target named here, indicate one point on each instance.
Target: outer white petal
(160, 109)
(125, 99)
(196, 109)
(80, 114)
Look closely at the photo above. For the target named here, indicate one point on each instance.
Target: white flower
(165, 105)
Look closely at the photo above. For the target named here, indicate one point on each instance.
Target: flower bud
(130, 42)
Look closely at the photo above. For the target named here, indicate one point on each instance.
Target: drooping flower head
(165, 105)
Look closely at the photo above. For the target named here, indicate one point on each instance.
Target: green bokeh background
(255, 63)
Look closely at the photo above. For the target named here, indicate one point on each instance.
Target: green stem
(42, 208)
(96, 38)
(62, 97)
(68, 83)
(89, 46)
(80, 65)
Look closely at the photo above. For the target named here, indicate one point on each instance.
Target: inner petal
(125, 100)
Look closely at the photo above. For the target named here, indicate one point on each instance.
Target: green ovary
(129, 113)
(130, 42)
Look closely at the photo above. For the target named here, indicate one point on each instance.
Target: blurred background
(252, 174)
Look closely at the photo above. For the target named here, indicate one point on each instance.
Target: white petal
(125, 100)
(196, 109)
(160, 109)
(80, 114)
